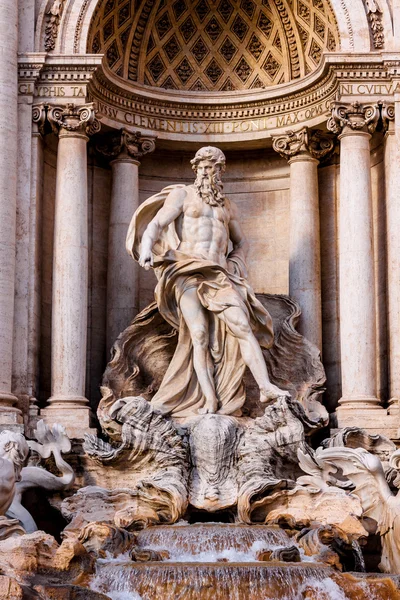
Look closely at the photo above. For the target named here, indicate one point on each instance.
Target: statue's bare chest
(196, 208)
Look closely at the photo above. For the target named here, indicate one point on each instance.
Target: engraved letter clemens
(183, 233)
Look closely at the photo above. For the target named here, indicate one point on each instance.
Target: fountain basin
(235, 581)
(209, 542)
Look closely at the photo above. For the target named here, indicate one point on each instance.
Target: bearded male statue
(184, 234)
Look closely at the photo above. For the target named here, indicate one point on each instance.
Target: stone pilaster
(124, 149)
(354, 123)
(68, 404)
(27, 265)
(304, 150)
(392, 193)
(10, 416)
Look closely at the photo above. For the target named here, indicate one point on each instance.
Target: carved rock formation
(149, 445)
(268, 457)
(214, 441)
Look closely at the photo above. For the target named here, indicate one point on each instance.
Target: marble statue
(16, 477)
(14, 451)
(184, 233)
(364, 471)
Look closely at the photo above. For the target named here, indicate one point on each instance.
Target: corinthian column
(124, 149)
(354, 123)
(304, 150)
(68, 404)
(391, 119)
(9, 415)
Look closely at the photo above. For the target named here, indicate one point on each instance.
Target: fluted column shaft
(124, 149)
(123, 273)
(68, 403)
(391, 114)
(304, 149)
(305, 251)
(356, 258)
(8, 194)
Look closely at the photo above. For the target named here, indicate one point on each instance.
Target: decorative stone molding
(375, 14)
(314, 143)
(125, 144)
(356, 116)
(71, 118)
(291, 38)
(53, 18)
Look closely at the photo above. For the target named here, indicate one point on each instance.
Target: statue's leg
(237, 322)
(196, 319)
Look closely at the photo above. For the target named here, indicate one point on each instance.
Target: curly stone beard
(209, 188)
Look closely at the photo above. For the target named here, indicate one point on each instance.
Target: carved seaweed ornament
(53, 18)
(375, 14)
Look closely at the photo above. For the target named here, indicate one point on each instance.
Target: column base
(373, 418)
(74, 414)
(394, 406)
(11, 418)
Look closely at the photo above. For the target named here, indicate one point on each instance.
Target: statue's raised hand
(146, 259)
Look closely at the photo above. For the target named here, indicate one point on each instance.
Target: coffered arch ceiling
(213, 45)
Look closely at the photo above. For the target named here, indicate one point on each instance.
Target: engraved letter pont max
(184, 233)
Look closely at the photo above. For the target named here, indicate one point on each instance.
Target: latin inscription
(369, 89)
(213, 127)
(52, 91)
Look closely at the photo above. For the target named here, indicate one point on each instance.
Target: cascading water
(219, 562)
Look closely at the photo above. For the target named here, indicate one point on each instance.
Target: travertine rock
(10, 589)
(105, 538)
(39, 554)
(301, 507)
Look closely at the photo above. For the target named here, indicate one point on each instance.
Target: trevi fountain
(199, 299)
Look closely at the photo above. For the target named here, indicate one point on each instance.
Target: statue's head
(14, 447)
(211, 154)
(209, 164)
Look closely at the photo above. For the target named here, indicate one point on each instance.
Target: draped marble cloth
(217, 288)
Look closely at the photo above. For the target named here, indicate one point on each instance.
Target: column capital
(356, 117)
(123, 145)
(73, 119)
(39, 115)
(388, 115)
(304, 143)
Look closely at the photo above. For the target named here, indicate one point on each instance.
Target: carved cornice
(105, 88)
(73, 119)
(355, 116)
(309, 143)
(125, 144)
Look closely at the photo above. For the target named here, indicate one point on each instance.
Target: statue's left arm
(237, 257)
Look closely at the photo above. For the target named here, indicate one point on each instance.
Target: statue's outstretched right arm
(170, 211)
